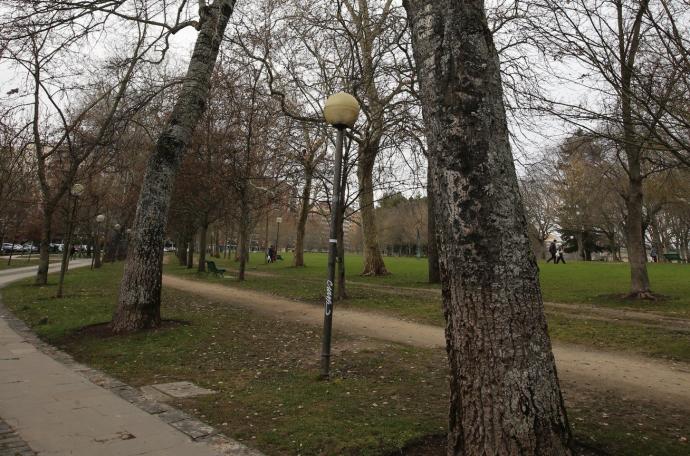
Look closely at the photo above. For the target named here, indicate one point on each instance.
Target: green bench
(672, 256)
(212, 268)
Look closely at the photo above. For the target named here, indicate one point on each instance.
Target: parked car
(29, 247)
(6, 247)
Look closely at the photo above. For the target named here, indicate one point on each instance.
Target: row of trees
(579, 190)
(239, 132)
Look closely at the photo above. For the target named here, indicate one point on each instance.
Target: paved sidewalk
(57, 410)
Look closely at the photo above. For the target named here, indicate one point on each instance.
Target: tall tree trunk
(140, 290)
(242, 255)
(580, 239)
(190, 252)
(683, 238)
(243, 247)
(657, 242)
(340, 260)
(340, 223)
(611, 237)
(505, 398)
(298, 259)
(432, 243)
(637, 255)
(634, 233)
(182, 246)
(44, 249)
(203, 231)
(373, 261)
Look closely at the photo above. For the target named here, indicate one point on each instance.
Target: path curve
(579, 310)
(628, 374)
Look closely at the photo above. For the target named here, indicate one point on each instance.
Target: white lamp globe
(341, 110)
(100, 218)
(77, 190)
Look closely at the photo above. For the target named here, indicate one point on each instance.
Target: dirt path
(581, 311)
(588, 311)
(627, 375)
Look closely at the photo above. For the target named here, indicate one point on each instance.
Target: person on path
(552, 251)
(654, 255)
(559, 254)
(271, 254)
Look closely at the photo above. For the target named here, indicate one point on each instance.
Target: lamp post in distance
(75, 192)
(341, 111)
(96, 259)
(279, 220)
(118, 235)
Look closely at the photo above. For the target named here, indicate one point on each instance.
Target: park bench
(672, 256)
(211, 267)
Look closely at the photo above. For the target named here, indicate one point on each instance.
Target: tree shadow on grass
(103, 330)
(435, 445)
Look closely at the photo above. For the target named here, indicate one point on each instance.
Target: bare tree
(620, 54)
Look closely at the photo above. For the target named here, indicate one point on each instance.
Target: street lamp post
(419, 249)
(341, 111)
(96, 259)
(75, 192)
(279, 220)
(116, 253)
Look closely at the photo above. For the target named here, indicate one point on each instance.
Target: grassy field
(584, 283)
(595, 283)
(382, 397)
(18, 262)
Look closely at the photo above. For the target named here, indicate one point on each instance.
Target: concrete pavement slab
(59, 407)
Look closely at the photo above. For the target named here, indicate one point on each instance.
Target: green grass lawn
(603, 283)
(561, 283)
(577, 282)
(382, 396)
(18, 262)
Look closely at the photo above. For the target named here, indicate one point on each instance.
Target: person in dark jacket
(552, 252)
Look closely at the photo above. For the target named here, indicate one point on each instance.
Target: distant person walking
(654, 255)
(552, 252)
(560, 254)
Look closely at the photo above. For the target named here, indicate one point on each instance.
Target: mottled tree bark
(140, 290)
(203, 231)
(432, 242)
(44, 249)
(298, 260)
(634, 234)
(373, 261)
(505, 398)
(243, 246)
